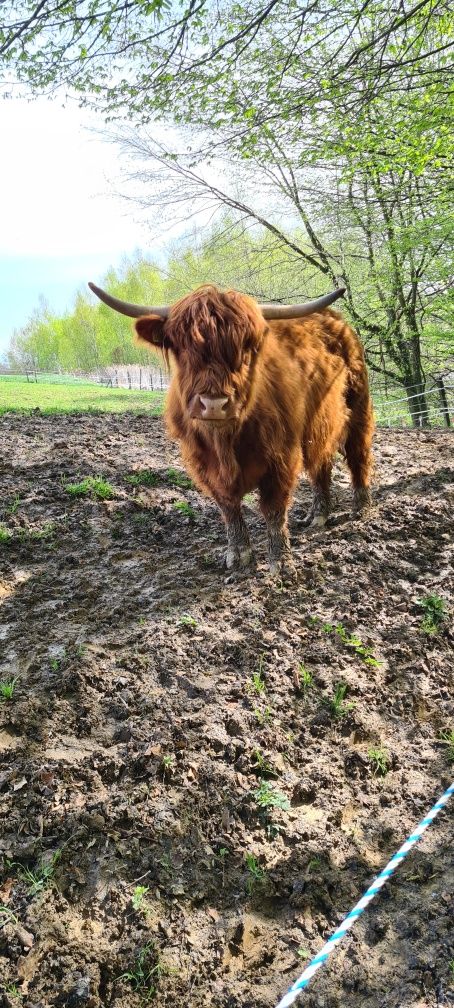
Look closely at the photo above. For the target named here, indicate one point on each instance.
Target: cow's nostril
(213, 407)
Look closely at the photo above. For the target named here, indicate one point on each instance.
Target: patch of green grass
(306, 679)
(13, 992)
(184, 508)
(379, 761)
(145, 973)
(179, 479)
(19, 396)
(447, 739)
(41, 878)
(267, 796)
(5, 534)
(434, 609)
(7, 688)
(336, 703)
(263, 716)
(91, 486)
(144, 477)
(12, 508)
(256, 874)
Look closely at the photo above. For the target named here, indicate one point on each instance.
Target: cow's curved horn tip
(92, 286)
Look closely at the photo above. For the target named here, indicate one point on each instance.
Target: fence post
(443, 400)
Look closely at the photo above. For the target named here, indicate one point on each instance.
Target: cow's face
(214, 338)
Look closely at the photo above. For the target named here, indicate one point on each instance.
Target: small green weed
(379, 761)
(184, 508)
(336, 703)
(40, 879)
(267, 796)
(167, 763)
(13, 991)
(303, 953)
(222, 857)
(28, 533)
(138, 897)
(7, 916)
(91, 486)
(261, 764)
(12, 508)
(7, 688)
(263, 716)
(360, 649)
(256, 874)
(434, 609)
(179, 479)
(257, 682)
(447, 739)
(306, 679)
(5, 534)
(144, 477)
(145, 973)
(187, 620)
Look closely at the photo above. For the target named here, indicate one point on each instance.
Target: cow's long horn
(278, 311)
(125, 308)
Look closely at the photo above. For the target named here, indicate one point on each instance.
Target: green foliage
(434, 609)
(447, 739)
(145, 477)
(42, 877)
(139, 896)
(91, 486)
(184, 508)
(379, 761)
(145, 972)
(7, 688)
(336, 704)
(351, 641)
(268, 797)
(306, 679)
(187, 620)
(256, 874)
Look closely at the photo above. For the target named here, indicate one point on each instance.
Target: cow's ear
(150, 329)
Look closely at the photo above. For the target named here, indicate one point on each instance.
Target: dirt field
(187, 814)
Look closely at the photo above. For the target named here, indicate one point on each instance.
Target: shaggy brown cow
(253, 401)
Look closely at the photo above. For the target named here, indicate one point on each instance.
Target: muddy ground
(186, 818)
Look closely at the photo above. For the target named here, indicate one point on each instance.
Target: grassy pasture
(20, 396)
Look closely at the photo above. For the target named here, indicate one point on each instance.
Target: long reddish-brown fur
(301, 388)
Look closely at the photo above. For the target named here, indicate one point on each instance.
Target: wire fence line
(428, 405)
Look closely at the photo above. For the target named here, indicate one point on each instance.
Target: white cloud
(58, 181)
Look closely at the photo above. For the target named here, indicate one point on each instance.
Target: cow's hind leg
(239, 551)
(358, 451)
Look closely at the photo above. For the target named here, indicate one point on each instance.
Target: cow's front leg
(274, 503)
(239, 551)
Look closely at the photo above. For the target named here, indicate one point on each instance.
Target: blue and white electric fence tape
(372, 891)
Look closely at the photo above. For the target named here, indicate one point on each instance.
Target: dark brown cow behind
(252, 402)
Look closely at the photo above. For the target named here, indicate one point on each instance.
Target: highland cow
(258, 394)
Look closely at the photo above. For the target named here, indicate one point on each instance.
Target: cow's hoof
(315, 519)
(240, 559)
(283, 569)
(361, 502)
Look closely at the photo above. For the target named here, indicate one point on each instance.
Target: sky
(61, 222)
